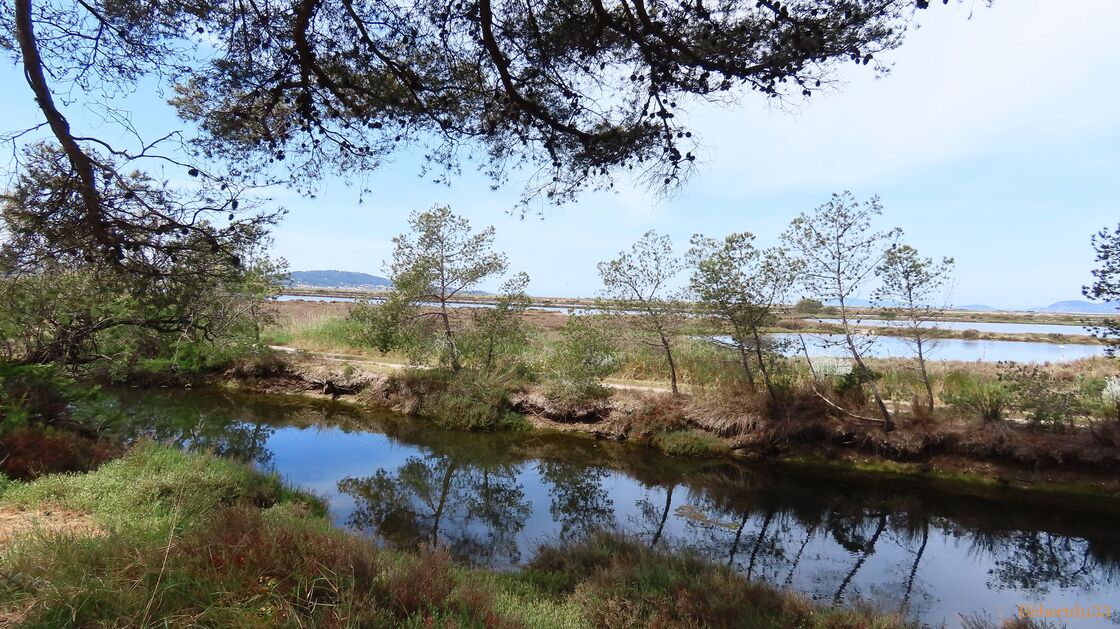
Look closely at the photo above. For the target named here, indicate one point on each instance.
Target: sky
(994, 140)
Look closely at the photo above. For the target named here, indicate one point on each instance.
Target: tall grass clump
(691, 443)
(467, 399)
(970, 394)
(700, 364)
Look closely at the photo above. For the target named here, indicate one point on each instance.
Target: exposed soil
(17, 522)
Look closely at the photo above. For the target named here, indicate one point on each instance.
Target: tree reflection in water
(578, 502)
(475, 511)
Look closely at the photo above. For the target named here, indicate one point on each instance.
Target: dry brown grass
(18, 522)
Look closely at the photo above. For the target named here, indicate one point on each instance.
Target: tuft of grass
(971, 394)
(691, 443)
(469, 399)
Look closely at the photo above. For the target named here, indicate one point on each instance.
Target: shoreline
(999, 456)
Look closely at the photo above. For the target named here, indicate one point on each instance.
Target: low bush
(260, 362)
(35, 395)
(1044, 399)
(974, 395)
(658, 415)
(33, 451)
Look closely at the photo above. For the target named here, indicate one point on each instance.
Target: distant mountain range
(1080, 306)
(353, 279)
(336, 279)
(1069, 306)
(347, 279)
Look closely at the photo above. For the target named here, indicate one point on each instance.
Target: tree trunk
(445, 489)
(672, 364)
(452, 351)
(925, 375)
(81, 163)
(888, 421)
(738, 536)
(743, 355)
(762, 364)
(797, 558)
(914, 568)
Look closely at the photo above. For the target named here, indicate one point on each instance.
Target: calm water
(979, 326)
(494, 499)
(944, 349)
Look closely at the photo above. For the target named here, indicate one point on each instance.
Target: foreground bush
(194, 540)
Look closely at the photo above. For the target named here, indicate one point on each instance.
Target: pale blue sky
(994, 140)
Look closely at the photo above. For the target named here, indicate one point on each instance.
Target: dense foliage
(575, 92)
(1106, 286)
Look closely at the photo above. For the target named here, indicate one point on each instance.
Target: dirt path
(361, 360)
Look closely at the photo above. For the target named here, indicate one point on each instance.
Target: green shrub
(971, 394)
(35, 394)
(808, 306)
(277, 336)
(261, 362)
(691, 443)
(576, 365)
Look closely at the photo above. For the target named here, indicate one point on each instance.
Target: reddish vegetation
(31, 452)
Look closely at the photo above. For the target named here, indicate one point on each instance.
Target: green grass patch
(154, 486)
(691, 443)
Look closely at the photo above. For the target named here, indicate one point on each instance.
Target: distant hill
(974, 308)
(336, 279)
(1080, 306)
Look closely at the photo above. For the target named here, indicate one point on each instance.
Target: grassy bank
(164, 537)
